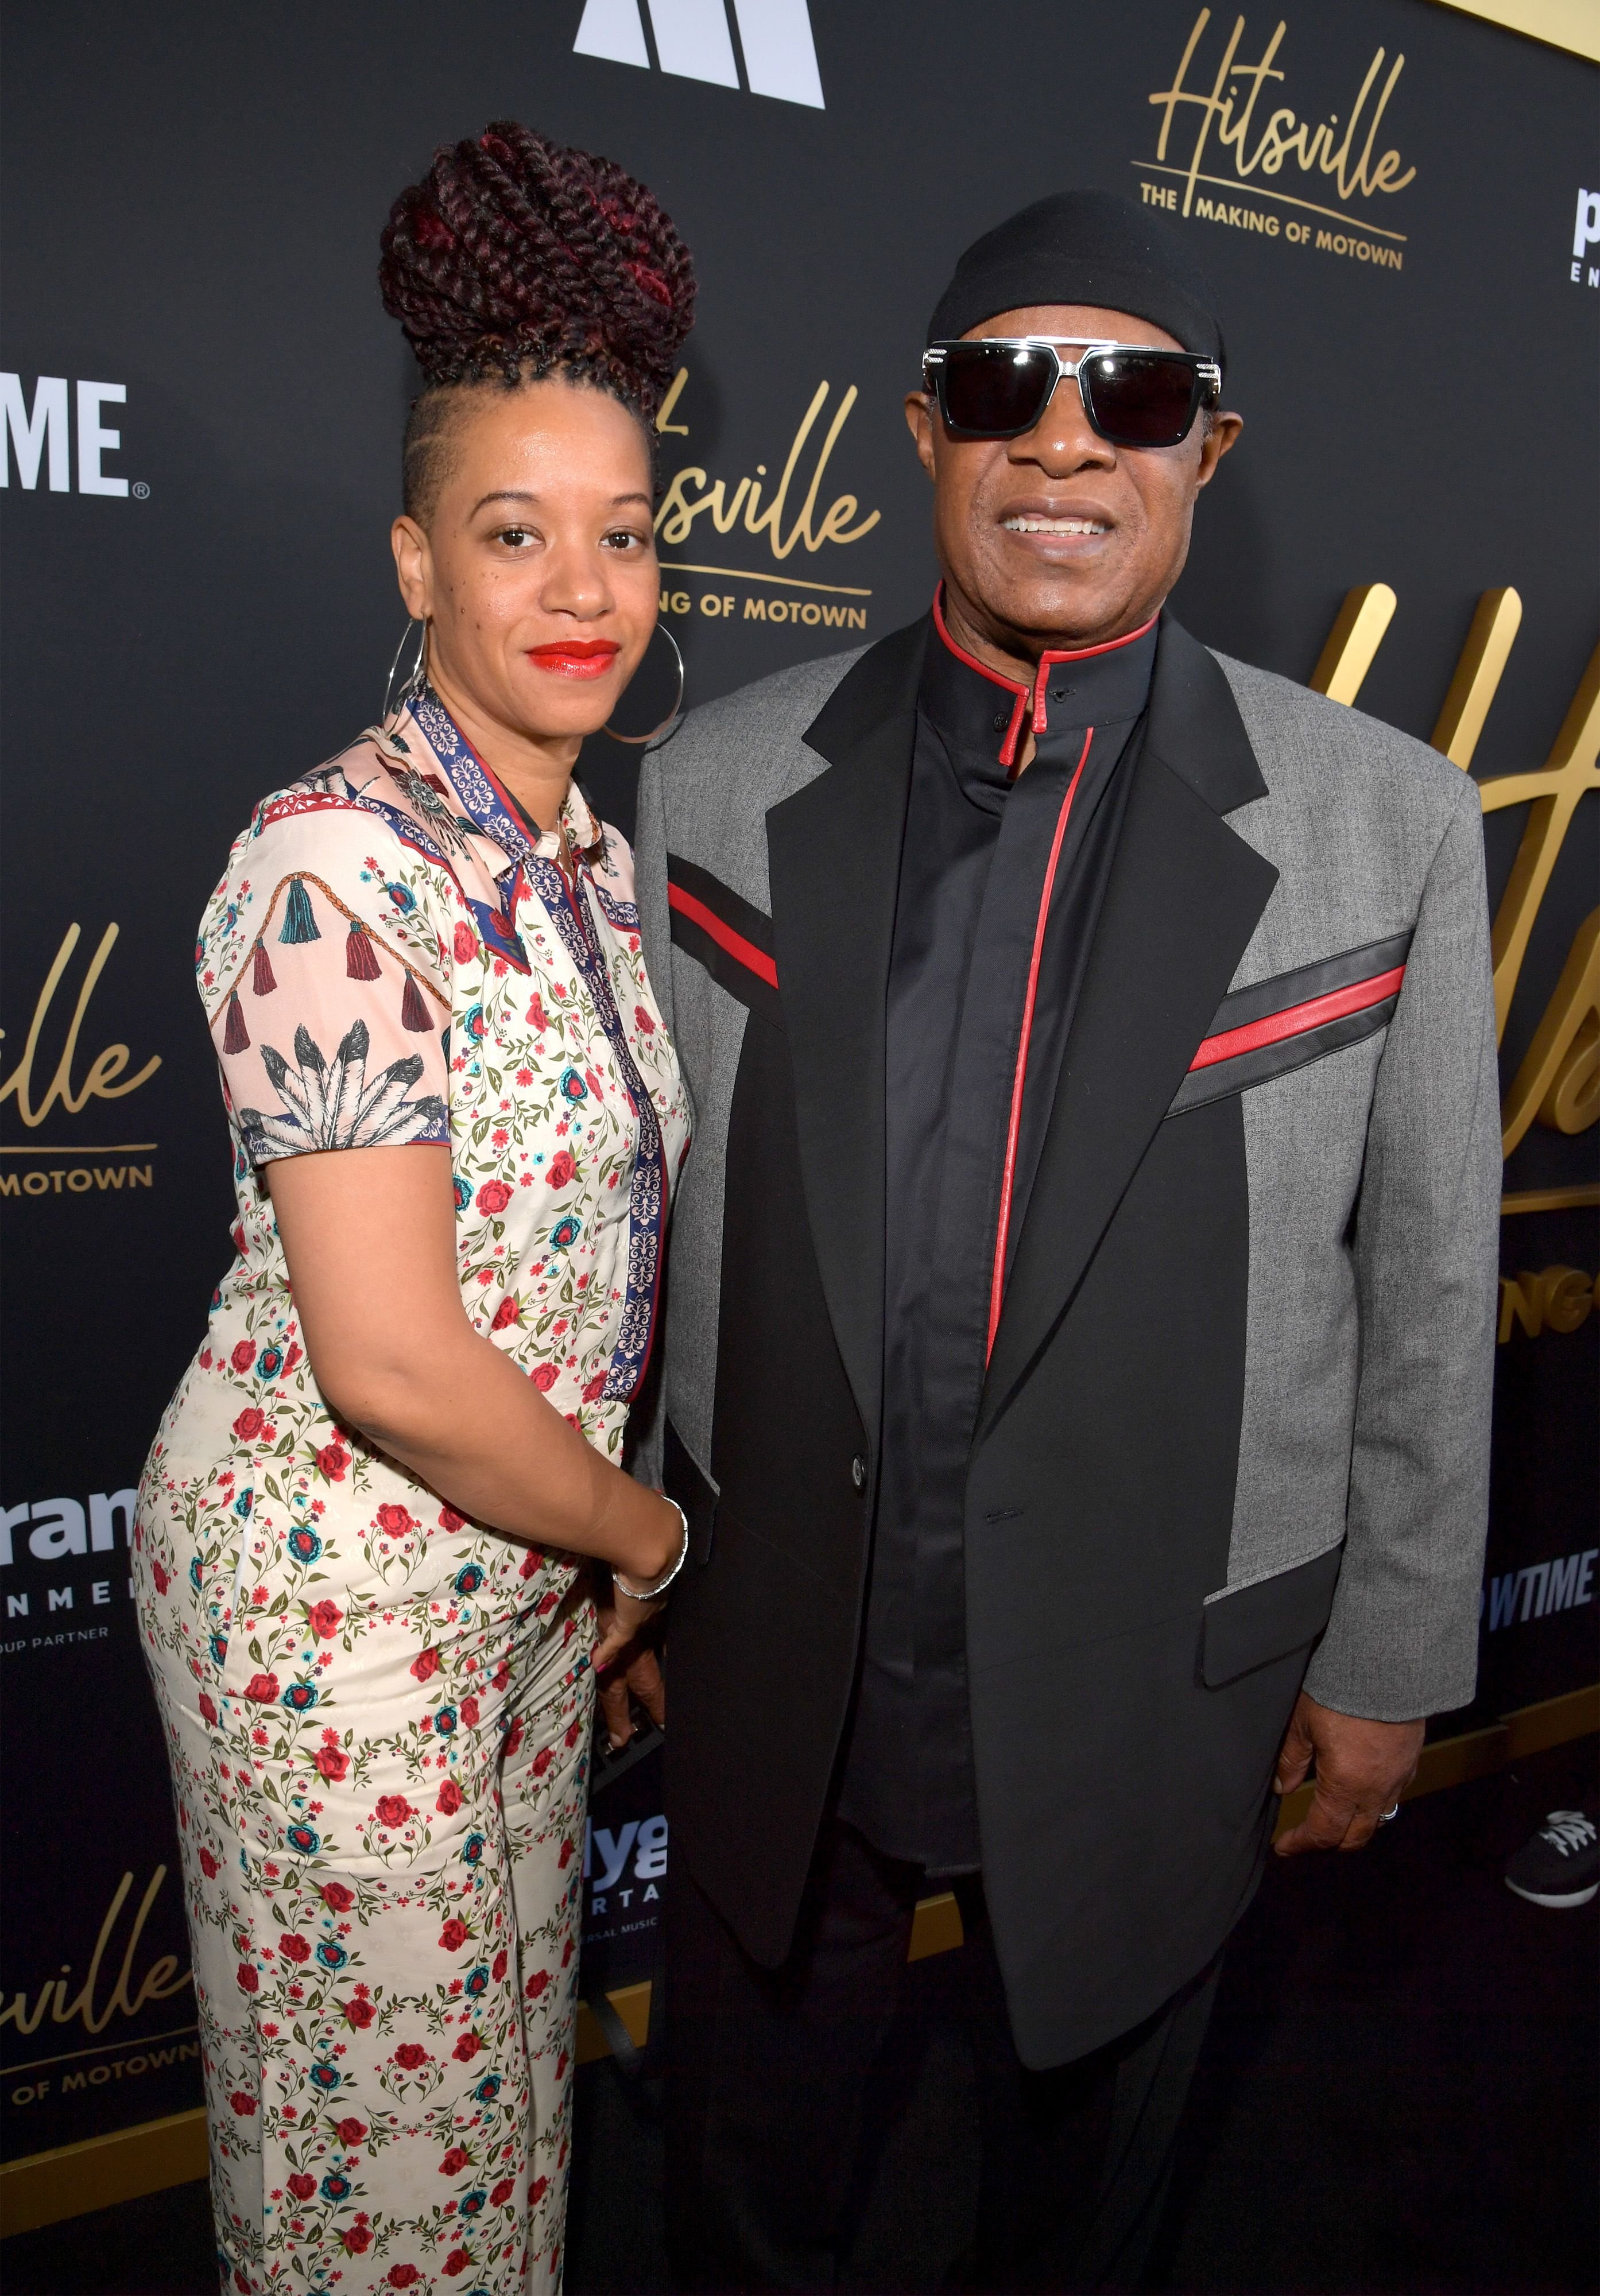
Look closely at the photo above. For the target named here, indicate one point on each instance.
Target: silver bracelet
(649, 1593)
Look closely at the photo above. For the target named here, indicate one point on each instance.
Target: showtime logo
(37, 436)
(708, 40)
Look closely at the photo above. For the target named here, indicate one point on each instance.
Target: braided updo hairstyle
(515, 259)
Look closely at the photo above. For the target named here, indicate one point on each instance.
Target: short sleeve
(319, 968)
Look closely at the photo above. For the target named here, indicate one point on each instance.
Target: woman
(456, 1113)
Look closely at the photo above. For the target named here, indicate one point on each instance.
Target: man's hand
(1361, 1770)
(626, 1666)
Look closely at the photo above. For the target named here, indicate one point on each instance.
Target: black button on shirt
(974, 864)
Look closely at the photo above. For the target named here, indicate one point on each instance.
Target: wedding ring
(1389, 1814)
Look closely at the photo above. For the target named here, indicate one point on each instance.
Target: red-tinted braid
(514, 256)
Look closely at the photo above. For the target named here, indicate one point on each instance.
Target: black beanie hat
(1082, 247)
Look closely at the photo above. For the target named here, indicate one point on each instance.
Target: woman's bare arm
(370, 1237)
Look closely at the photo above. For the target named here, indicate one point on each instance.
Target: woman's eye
(514, 536)
(622, 537)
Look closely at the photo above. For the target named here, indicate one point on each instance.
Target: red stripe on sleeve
(1298, 1019)
(744, 952)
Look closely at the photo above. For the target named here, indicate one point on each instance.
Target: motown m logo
(38, 436)
(708, 40)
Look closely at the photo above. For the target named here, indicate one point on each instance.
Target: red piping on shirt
(744, 952)
(1008, 748)
(997, 1287)
(1297, 1019)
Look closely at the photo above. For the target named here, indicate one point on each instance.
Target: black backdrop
(193, 202)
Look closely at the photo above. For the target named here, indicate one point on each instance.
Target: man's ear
(919, 420)
(1220, 439)
(413, 567)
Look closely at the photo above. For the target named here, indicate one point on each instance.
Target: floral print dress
(377, 1712)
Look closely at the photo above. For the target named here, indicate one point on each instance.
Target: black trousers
(780, 2085)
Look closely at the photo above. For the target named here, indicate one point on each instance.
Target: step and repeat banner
(201, 408)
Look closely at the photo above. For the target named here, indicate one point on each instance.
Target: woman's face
(536, 569)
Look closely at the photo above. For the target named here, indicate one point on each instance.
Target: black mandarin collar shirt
(1002, 875)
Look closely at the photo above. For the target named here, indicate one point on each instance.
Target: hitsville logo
(763, 45)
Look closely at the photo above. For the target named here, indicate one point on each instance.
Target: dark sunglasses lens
(995, 388)
(1140, 402)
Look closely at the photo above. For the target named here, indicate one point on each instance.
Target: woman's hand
(369, 1235)
(626, 1666)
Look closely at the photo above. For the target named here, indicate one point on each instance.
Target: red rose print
(499, 1969)
(506, 1313)
(542, 1762)
(337, 1898)
(409, 2055)
(162, 1578)
(457, 2261)
(454, 2161)
(324, 1619)
(562, 1171)
(595, 1387)
(502, 2192)
(207, 1708)
(291, 1360)
(244, 2107)
(351, 2132)
(360, 2015)
(537, 1018)
(249, 1980)
(536, 1984)
(425, 1665)
(565, 1860)
(397, 1520)
(404, 2275)
(642, 1021)
(295, 1948)
(393, 1810)
(333, 1761)
(249, 1424)
(537, 2190)
(333, 1459)
(357, 2241)
(514, 1738)
(467, 2048)
(208, 1866)
(244, 1355)
(302, 2187)
(466, 949)
(263, 1688)
(450, 1798)
(545, 1377)
(468, 1712)
(453, 1936)
(448, 1519)
(493, 1196)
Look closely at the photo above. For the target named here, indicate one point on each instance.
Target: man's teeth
(1020, 525)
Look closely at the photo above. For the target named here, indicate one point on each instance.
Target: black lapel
(833, 852)
(1184, 895)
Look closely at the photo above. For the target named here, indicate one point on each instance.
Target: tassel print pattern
(360, 958)
(261, 979)
(235, 1036)
(299, 923)
(415, 1014)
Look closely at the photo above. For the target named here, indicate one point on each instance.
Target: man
(1078, 1343)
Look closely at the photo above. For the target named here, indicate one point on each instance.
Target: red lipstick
(575, 657)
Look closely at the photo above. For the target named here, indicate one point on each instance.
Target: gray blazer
(1289, 1007)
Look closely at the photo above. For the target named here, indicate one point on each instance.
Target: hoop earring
(415, 678)
(639, 741)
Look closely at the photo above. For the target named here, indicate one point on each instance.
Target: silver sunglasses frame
(1208, 373)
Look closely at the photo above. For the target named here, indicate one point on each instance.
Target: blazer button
(858, 1471)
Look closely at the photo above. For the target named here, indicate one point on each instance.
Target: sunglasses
(999, 386)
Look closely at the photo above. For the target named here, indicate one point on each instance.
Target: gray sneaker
(1561, 1865)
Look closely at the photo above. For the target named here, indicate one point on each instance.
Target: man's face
(1058, 537)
